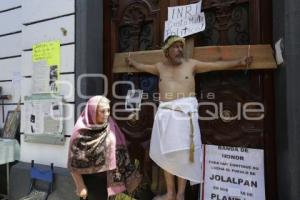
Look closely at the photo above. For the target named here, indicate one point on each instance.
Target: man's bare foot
(82, 193)
(165, 197)
(180, 197)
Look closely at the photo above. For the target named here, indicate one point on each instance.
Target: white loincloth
(170, 140)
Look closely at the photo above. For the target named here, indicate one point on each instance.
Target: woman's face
(102, 113)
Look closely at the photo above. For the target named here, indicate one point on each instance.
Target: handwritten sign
(185, 20)
(234, 173)
(185, 27)
(186, 11)
(47, 51)
(46, 59)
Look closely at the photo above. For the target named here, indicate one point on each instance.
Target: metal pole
(7, 177)
(3, 114)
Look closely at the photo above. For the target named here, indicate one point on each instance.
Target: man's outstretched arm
(201, 67)
(152, 69)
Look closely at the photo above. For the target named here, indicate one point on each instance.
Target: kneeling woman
(98, 145)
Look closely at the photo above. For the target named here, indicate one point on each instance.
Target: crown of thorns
(171, 40)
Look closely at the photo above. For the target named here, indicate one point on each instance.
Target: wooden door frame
(260, 33)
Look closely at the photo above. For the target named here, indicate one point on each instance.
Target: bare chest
(176, 73)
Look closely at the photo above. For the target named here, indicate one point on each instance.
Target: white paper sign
(40, 78)
(234, 173)
(43, 116)
(16, 83)
(184, 27)
(184, 20)
(133, 100)
(186, 11)
(278, 50)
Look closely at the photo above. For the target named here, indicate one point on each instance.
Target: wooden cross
(262, 56)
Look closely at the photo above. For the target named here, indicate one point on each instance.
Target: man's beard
(178, 60)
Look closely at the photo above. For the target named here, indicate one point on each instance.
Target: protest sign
(234, 173)
(184, 20)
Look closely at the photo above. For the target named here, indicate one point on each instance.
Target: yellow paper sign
(48, 51)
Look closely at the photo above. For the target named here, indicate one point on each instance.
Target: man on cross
(176, 140)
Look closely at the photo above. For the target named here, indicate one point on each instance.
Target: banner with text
(234, 173)
(184, 20)
(46, 67)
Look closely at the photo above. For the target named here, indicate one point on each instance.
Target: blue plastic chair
(46, 176)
